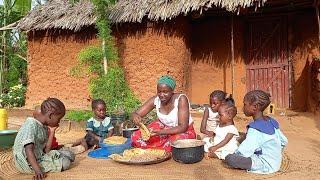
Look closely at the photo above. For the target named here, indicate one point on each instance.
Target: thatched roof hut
(211, 51)
(135, 10)
(60, 14)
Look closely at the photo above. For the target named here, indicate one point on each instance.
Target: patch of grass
(78, 115)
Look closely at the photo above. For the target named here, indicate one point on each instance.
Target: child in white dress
(210, 119)
(224, 141)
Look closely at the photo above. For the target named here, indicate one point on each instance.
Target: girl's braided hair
(96, 102)
(259, 97)
(218, 94)
(230, 109)
(54, 105)
(222, 96)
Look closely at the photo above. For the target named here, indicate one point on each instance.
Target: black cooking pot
(128, 132)
(188, 151)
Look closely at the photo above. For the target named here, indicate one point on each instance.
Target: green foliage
(17, 67)
(14, 98)
(17, 72)
(13, 52)
(104, 28)
(91, 57)
(22, 6)
(79, 115)
(112, 88)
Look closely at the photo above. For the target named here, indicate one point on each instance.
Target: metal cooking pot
(128, 132)
(188, 151)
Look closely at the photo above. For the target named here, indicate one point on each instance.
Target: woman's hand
(39, 175)
(136, 118)
(155, 132)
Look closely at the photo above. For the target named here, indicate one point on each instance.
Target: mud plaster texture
(51, 55)
(149, 50)
(195, 52)
(211, 59)
(303, 38)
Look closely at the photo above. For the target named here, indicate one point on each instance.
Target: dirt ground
(301, 157)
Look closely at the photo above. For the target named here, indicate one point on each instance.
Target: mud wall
(196, 52)
(149, 50)
(51, 55)
(303, 41)
(211, 59)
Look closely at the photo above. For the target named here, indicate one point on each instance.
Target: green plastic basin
(7, 138)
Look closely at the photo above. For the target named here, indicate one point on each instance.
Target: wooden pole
(318, 20)
(232, 57)
(105, 62)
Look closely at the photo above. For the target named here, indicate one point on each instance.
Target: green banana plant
(10, 12)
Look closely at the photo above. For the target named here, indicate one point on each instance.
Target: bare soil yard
(301, 157)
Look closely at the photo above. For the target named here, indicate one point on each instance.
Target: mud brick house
(233, 45)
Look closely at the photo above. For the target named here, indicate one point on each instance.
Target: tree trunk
(6, 5)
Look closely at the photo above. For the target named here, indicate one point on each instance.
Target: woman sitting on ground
(173, 122)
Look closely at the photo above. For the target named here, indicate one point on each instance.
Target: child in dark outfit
(98, 127)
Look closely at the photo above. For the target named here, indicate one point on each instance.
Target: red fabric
(161, 141)
(54, 144)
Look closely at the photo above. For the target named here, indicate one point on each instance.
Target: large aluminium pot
(188, 151)
(128, 132)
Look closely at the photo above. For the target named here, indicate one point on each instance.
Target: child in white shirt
(224, 141)
(210, 119)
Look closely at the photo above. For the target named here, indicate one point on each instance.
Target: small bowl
(7, 138)
(108, 149)
(128, 132)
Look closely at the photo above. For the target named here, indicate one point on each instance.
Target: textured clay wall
(150, 50)
(303, 40)
(211, 59)
(51, 55)
(197, 53)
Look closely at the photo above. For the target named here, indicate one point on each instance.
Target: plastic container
(3, 119)
(108, 149)
(7, 138)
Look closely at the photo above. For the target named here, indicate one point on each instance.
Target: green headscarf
(167, 80)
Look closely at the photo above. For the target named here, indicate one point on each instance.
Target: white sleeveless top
(213, 120)
(170, 119)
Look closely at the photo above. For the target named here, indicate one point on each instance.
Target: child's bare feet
(75, 149)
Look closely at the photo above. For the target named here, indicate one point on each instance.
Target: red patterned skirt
(161, 141)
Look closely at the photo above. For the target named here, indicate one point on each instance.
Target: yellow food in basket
(139, 155)
(145, 133)
(115, 140)
(118, 157)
